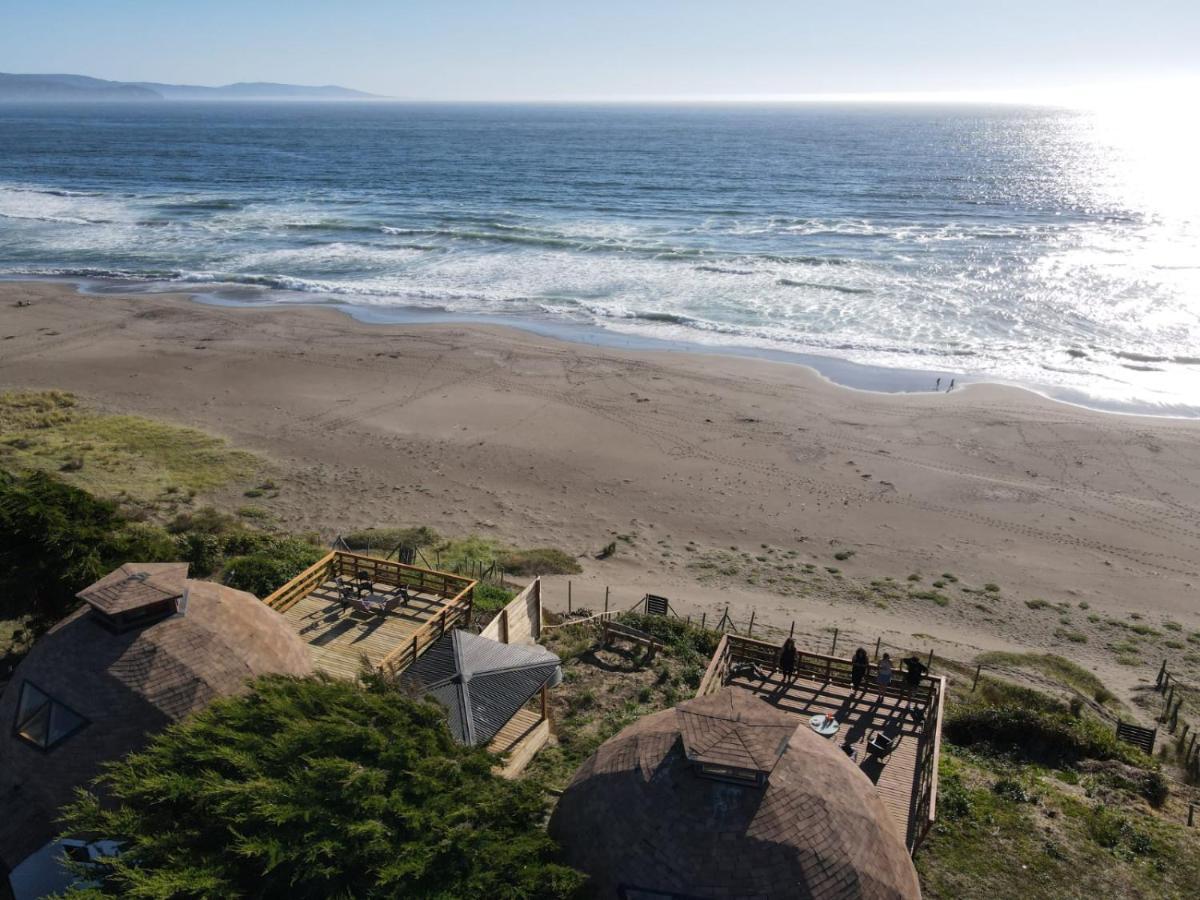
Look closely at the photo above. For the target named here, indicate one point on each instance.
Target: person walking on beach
(884, 677)
(787, 660)
(858, 668)
(938, 386)
(949, 389)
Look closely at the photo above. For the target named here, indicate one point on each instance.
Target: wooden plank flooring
(520, 738)
(862, 715)
(338, 638)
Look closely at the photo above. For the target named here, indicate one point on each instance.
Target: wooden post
(1162, 670)
(929, 662)
(792, 630)
(877, 642)
(1191, 814)
(975, 680)
(703, 617)
(1170, 700)
(833, 649)
(750, 630)
(606, 598)
(568, 595)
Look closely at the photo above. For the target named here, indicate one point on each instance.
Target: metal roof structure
(481, 683)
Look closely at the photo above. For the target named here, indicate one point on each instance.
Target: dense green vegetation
(58, 539)
(314, 788)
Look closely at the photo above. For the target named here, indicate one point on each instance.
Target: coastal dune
(681, 456)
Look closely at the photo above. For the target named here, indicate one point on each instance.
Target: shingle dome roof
(637, 815)
(111, 691)
(481, 682)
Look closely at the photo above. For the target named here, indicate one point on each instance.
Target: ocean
(886, 245)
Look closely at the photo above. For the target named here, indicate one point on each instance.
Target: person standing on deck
(787, 660)
(884, 677)
(858, 668)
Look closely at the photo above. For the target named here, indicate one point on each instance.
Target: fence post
(703, 616)
(1167, 707)
(750, 630)
(833, 649)
(878, 640)
(792, 630)
(606, 598)
(568, 595)
(1162, 670)
(929, 662)
(1191, 814)
(975, 680)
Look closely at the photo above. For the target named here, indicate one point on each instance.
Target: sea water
(1049, 247)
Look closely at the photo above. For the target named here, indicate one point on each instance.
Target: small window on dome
(42, 720)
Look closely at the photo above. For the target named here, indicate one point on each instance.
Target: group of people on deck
(860, 665)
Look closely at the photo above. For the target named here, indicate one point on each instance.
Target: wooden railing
(302, 585)
(341, 563)
(927, 765)
(455, 612)
(457, 591)
(835, 669)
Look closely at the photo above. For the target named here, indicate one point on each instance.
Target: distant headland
(81, 87)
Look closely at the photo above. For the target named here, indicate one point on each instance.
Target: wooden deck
(338, 638)
(862, 714)
(519, 740)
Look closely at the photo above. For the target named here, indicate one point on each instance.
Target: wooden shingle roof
(135, 586)
(638, 815)
(126, 686)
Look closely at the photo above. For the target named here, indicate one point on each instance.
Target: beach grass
(113, 455)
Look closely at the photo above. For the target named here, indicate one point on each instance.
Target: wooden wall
(521, 621)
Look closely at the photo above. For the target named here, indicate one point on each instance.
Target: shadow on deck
(863, 714)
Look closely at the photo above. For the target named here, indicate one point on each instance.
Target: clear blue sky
(475, 49)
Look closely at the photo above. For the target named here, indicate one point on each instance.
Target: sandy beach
(677, 457)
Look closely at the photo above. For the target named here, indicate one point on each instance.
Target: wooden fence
(520, 622)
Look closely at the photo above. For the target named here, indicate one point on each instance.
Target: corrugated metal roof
(481, 682)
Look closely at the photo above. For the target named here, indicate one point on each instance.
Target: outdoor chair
(347, 593)
(881, 744)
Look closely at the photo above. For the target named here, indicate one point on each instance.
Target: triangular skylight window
(42, 720)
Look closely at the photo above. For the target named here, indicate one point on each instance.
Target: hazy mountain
(69, 87)
(81, 87)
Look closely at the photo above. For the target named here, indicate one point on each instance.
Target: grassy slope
(114, 455)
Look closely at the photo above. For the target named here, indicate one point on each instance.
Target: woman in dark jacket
(787, 659)
(858, 668)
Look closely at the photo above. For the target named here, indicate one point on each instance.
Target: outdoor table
(824, 727)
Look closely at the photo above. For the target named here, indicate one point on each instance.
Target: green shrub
(1051, 737)
(683, 639)
(314, 788)
(205, 520)
(491, 598)
(389, 538)
(266, 571)
(539, 561)
(201, 551)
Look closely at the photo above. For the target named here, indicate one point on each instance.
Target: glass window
(42, 720)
